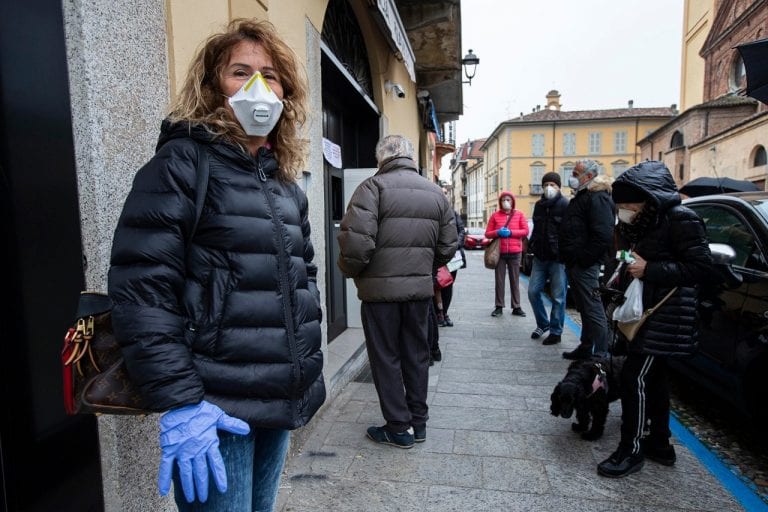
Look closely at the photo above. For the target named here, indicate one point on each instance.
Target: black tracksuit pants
(398, 350)
(644, 396)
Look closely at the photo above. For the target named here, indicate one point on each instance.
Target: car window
(725, 226)
(476, 231)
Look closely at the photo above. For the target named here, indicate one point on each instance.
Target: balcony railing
(534, 189)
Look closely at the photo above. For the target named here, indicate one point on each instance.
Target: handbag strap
(201, 184)
(96, 303)
(509, 218)
(649, 312)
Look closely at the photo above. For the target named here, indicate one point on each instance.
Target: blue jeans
(585, 283)
(254, 463)
(555, 273)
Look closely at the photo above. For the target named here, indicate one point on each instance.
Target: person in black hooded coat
(220, 324)
(668, 242)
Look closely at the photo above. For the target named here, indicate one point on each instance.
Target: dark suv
(733, 356)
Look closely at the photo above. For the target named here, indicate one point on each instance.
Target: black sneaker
(447, 321)
(538, 333)
(437, 355)
(579, 352)
(620, 464)
(518, 312)
(552, 339)
(402, 440)
(663, 454)
(420, 434)
(497, 312)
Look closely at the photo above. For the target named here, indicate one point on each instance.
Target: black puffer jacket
(547, 217)
(677, 253)
(586, 233)
(232, 316)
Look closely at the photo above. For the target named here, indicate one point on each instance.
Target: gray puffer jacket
(397, 229)
(232, 314)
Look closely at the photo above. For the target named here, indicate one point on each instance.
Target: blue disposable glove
(504, 232)
(188, 435)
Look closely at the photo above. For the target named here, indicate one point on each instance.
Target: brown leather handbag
(95, 377)
(493, 250)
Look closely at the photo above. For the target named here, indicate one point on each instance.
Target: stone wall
(118, 78)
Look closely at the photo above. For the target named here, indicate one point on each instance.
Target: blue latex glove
(188, 436)
(504, 232)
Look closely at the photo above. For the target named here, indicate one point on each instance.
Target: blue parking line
(745, 495)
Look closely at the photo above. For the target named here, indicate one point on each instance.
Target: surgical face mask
(627, 216)
(550, 192)
(506, 204)
(256, 106)
(573, 182)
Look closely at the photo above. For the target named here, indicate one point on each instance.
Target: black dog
(588, 387)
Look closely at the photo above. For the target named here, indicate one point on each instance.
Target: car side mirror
(723, 255)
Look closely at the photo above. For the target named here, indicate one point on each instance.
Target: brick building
(726, 134)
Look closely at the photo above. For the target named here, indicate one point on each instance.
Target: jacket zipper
(282, 269)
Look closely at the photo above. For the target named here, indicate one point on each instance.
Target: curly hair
(202, 101)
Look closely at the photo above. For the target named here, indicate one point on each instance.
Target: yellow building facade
(521, 150)
(697, 21)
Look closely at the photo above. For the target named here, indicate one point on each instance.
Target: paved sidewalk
(491, 443)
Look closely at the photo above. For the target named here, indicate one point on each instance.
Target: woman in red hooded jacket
(509, 225)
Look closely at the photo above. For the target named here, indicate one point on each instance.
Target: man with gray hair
(585, 237)
(398, 228)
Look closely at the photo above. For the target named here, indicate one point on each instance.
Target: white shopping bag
(632, 309)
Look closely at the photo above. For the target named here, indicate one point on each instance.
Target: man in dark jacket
(671, 254)
(548, 214)
(397, 229)
(586, 235)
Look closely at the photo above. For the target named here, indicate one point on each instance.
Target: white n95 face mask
(550, 192)
(256, 106)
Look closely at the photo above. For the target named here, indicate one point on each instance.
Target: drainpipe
(637, 128)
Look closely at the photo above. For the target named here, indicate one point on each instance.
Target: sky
(597, 53)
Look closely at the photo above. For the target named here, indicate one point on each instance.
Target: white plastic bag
(632, 309)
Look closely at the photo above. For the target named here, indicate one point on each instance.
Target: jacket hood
(226, 149)
(502, 195)
(654, 179)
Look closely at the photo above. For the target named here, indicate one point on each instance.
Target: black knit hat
(551, 177)
(625, 193)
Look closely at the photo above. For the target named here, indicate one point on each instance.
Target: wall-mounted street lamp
(470, 62)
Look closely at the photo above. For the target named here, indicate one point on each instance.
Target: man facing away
(397, 229)
(586, 235)
(548, 213)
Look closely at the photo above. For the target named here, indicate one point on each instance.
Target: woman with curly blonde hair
(219, 315)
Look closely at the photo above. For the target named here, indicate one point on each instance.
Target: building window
(537, 144)
(569, 144)
(617, 168)
(759, 157)
(565, 171)
(681, 172)
(594, 143)
(620, 142)
(738, 77)
(677, 140)
(537, 172)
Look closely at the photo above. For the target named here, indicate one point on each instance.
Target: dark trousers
(594, 327)
(398, 350)
(644, 395)
(511, 262)
(447, 293)
(433, 333)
